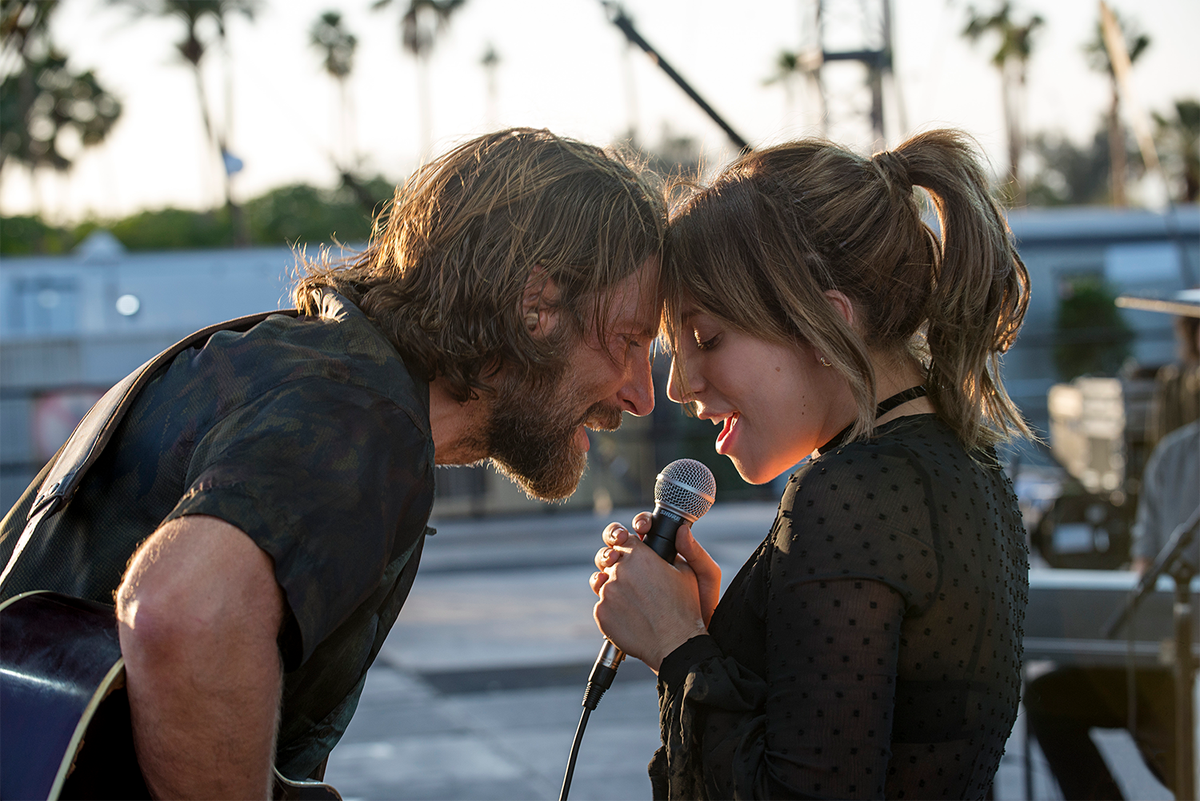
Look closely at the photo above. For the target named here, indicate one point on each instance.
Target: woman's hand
(648, 607)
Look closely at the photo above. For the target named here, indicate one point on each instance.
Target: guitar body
(64, 714)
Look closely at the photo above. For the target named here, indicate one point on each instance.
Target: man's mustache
(602, 417)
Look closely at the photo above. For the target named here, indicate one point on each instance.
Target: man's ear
(539, 309)
(841, 304)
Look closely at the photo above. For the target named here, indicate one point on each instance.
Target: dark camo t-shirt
(871, 646)
(311, 436)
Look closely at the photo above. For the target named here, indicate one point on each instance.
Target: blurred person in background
(1065, 703)
(1176, 399)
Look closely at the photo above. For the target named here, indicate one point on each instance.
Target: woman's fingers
(615, 534)
(647, 607)
(697, 558)
(607, 557)
(704, 567)
(597, 581)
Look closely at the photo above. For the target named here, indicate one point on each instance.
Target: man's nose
(637, 394)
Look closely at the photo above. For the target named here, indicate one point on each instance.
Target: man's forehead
(636, 303)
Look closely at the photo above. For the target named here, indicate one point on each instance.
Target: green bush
(24, 236)
(289, 215)
(1091, 337)
(174, 229)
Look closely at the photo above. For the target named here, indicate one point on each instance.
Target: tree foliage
(192, 48)
(305, 214)
(26, 235)
(1011, 57)
(43, 102)
(46, 100)
(420, 24)
(329, 36)
(290, 215)
(1100, 59)
(1075, 175)
(1178, 139)
(1091, 337)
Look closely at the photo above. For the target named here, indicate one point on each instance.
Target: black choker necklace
(912, 393)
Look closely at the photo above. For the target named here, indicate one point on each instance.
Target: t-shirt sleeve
(1147, 532)
(318, 474)
(841, 574)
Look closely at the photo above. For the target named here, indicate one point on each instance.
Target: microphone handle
(664, 525)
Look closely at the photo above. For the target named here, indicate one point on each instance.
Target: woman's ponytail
(979, 289)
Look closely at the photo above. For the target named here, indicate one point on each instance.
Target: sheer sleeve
(817, 725)
(824, 601)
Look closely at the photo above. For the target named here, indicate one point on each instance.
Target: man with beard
(259, 516)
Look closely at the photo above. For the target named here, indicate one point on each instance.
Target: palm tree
(1011, 59)
(787, 68)
(328, 35)
(41, 99)
(193, 49)
(419, 27)
(1098, 58)
(1180, 140)
(490, 60)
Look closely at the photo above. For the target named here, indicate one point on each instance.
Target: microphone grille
(687, 487)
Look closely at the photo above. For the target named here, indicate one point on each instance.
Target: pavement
(477, 691)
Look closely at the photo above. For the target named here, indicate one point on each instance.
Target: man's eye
(631, 343)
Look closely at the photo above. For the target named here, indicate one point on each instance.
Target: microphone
(684, 491)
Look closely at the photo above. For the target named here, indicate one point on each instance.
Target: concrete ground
(477, 692)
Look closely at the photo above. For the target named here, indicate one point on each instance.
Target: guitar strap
(96, 429)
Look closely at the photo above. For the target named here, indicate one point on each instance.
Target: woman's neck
(896, 374)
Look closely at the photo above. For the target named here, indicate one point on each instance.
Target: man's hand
(199, 612)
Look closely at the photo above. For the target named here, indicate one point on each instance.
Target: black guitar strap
(96, 429)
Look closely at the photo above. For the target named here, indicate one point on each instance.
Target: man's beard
(531, 433)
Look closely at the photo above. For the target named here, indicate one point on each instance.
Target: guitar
(64, 713)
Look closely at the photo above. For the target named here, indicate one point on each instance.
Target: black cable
(566, 788)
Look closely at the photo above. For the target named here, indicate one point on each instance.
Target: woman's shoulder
(919, 441)
(904, 456)
(861, 510)
(894, 445)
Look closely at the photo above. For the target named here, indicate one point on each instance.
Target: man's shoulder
(344, 347)
(1182, 437)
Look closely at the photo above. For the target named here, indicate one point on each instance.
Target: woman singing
(871, 646)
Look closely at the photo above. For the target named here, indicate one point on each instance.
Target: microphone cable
(566, 787)
(683, 492)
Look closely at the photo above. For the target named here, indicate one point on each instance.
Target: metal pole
(1185, 677)
(626, 25)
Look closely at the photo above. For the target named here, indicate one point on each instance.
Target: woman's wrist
(676, 665)
(672, 643)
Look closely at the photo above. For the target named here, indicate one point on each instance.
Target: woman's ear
(539, 311)
(842, 304)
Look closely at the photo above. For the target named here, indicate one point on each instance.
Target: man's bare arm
(199, 612)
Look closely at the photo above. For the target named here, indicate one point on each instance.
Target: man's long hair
(448, 263)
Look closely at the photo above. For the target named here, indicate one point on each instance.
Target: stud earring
(824, 362)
